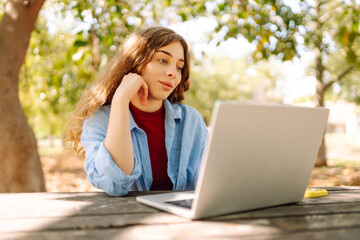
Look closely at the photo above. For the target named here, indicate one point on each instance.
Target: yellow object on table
(315, 192)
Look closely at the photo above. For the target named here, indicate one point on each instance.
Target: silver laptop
(256, 156)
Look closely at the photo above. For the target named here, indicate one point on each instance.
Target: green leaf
(351, 56)
(357, 100)
(183, 16)
(80, 43)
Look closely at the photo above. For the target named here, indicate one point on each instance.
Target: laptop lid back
(257, 156)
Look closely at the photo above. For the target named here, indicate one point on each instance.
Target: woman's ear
(139, 70)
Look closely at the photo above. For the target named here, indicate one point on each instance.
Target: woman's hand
(118, 139)
(131, 85)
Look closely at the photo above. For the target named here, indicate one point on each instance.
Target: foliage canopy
(62, 59)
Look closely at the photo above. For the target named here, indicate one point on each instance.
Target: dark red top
(153, 124)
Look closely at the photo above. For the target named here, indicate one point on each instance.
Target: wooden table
(95, 215)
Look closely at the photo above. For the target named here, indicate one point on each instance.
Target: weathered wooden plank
(293, 210)
(189, 231)
(192, 230)
(328, 234)
(308, 223)
(26, 205)
(96, 216)
(277, 216)
(92, 210)
(334, 197)
(95, 221)
(30, 205)
(342, 188)
(87, 222)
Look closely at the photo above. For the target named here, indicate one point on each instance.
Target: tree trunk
(321, 159)
(95, 52)
(21, 169)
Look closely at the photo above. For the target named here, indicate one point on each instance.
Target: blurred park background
(293, 52)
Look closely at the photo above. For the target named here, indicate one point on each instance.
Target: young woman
(136, 133)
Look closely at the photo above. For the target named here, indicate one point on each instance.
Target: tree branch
(324, 18)
(340, 77)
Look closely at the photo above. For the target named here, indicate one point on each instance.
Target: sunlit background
(263, 54)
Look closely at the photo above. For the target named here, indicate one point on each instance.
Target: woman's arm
(118, 137)
(102, 172)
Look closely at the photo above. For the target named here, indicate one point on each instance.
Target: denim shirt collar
(172, 111)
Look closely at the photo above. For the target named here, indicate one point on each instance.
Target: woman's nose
(171, 71)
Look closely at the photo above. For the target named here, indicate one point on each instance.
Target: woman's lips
(167, 85)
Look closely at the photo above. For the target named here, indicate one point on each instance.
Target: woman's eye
(162, 60)
(179, 68)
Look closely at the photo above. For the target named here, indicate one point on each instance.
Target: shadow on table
(96, 215)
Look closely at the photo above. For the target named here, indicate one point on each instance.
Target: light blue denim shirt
(185, 137)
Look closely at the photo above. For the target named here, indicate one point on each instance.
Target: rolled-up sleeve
(194, 140)
(202, 143)
(101, 170)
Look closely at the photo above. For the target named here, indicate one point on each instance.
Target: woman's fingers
(143, 93)
(131, 85)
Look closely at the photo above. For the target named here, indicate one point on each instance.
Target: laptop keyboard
(182, 203)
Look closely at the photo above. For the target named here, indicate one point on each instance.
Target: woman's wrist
(120, 102)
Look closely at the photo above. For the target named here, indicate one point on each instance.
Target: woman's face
(163, 73)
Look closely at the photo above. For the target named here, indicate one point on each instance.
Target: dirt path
(65, 173)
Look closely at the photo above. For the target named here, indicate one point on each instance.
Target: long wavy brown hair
(136, 51)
